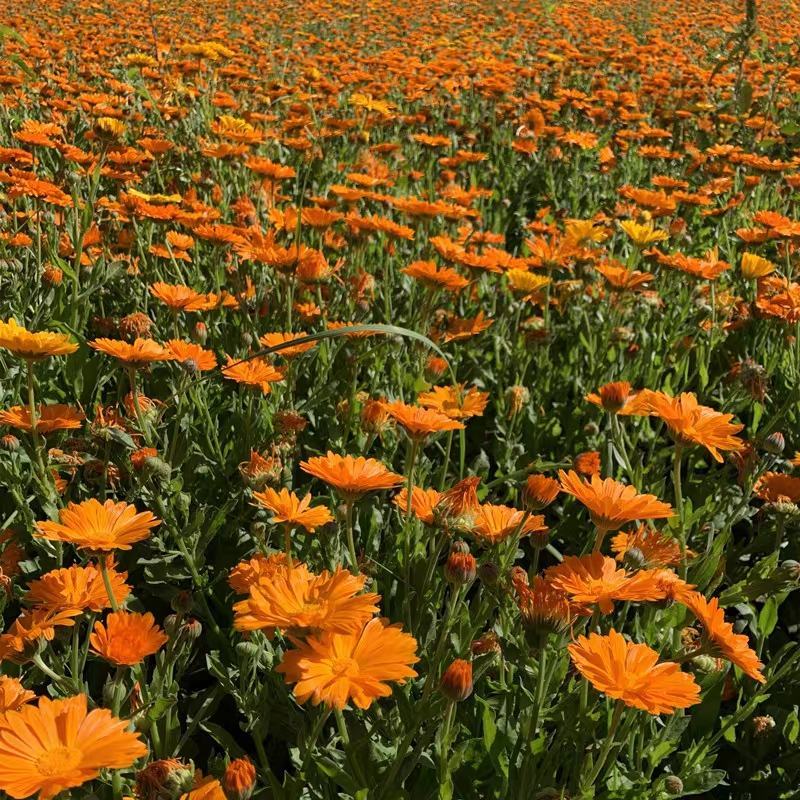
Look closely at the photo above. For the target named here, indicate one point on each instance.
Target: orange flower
(423, 503)
(56, 417)
(127, 637)
(719, 638)
(631, 673)
(456, 684)
(539, 491)
(335, 668)
(617, 398)
(141, 352)
(57, 745)
(34, 346)
(419, 423)
(351, 476)
(655, 549)
(495, 523)
(13, 695)
(77, 587)
(29, 627)
(276, 339)
(99, 526)
(289, 509)
(587, 463)
(611, 504)
(254, 372)
(427, 273)
(693, 424)
(295, 600)
(239, 779)
(775, 487)
(454, 402)
(247, 573)
(543, 608)
(178, 297)
(191, 355)
(595, 580)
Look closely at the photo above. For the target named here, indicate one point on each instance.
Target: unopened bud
(457, 681)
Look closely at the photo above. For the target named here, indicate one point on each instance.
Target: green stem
(351, 544)
(607, 745)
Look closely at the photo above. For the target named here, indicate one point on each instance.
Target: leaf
(744, 97)
(768, 617)
(702, 781)
(7, 32)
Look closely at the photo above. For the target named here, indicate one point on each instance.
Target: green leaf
(768, 617)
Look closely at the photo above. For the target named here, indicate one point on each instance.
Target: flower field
(399, 400)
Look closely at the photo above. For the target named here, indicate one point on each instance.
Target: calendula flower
(29, 627)
(56, 745)
(631, 673)
(334, 668)
(34, 346)
(543, 608)
(719, 638)
(55, 417)
(611, 504)
(351, 476)
(423, 503)
(13, 695)
(690, 423)
(595, 579)
(539, 491)
(495, 523)
(454, 401)
(419, 423)
(297, 601)
(290, 351)
(77, 587)
(643, 234)
(127, 637)
(178, 297)
(141, 352)
(774, 487)
(99, 526)
(191, 355)
(254, 570)
(653, 548)
(617, 398)
(754, 266)
(254, 372)
(289, 509)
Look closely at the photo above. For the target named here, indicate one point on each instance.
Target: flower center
(344, 667)
(58, 761)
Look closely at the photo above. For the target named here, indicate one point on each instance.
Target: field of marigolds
(399, 401)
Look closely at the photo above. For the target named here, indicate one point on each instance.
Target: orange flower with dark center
(351, 476)
(774, 487)
(297, 601)
(423, 503)
(34, 346)
(77, 587)
(290, 510)
(612, 504)
(495, 523)
(335, 668)
(254, 372)
(655, 549)
(419, 423)
(595, 580)
(13, 695)
(99, 526)
(617, 398)
(127, 637)
(276, 339)
(55, 417)
(454, 402)
(191, 355)
(719, 638)
(178, 297)
(141, 352)
(56, 745)
(631, 673)
(690, 423)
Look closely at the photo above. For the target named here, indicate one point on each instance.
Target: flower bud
(163, 779)
(182, 602)
(673, 784)
(457, 681)
(10, 443)
(517, 397)
(461, 567)
(634, 558)
(239, 779)
(762, 726)
(486, 644)
(774, 443)
(157, 468)
(489, 573)
(52, 276)
(200, 332)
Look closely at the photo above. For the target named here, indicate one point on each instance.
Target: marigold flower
(277, 339)
(642, 235)
(57, 745)
(774, 487)
(351, 476)
(99, 526)
(291, 510)
(587, 463)
(456, 683)
(254, 372)
(495, 523)
(423, 503)
(141, 352)
(178, 297)
(335, 668)
(239, 779)
(631, 673)
(754, 266)
(13, 695)
(617, 398)
(191, 355)
(78, 588)
(295, 600)
(259, 568)
(419, 423)
(34, 346)
(29, 627)
(539, 491)
(127, 637)
(544, 609)
(454, 402)
(656, 549)
(55, 417)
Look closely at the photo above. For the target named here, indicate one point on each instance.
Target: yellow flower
(754, 266)
(34, 346)
(521, 280)
(642, 235)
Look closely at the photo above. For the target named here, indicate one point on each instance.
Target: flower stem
(351, 544)
(606, 749)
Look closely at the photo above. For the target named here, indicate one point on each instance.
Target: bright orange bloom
(13, 695)
(595, 580)
(191, 355)
(205, 788)
(427, 273)
(247, 573)
(611, 504)
(141, 352)
(693, 424)
(56, 417)
(77, 587)
(335, 668)
(291, 510)
(456, 683)
(57, 745)
(127, 637)
(254, 372)
(775, 487)
(351, 476)
(543, 608)
(419, 423)
(718, 635)
(631, 673)
(423, 503)
(617, 398)
(495, 523)
(295, 600)
(539, 491)
(99, 526)
(454, 402)
(656, 549)
(275, 339)
(34, 346)
(239, 778)
(178, 297)
(29, 627)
